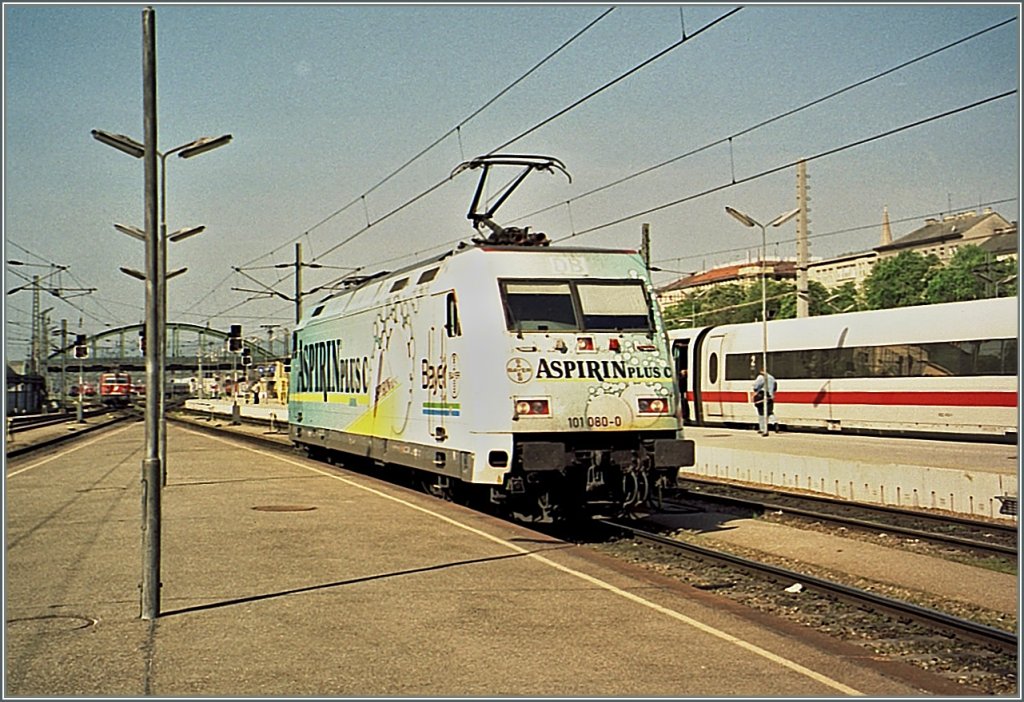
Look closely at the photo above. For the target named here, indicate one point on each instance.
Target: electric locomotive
(115, 389)
(535, 377)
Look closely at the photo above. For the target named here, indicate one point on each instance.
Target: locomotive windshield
(539, 307)
(614, 306)
(543, 306)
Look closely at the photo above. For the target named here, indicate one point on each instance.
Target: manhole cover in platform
(53, 623)
(284, 508)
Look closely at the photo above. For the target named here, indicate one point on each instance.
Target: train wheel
(438, 486)
(546, 508)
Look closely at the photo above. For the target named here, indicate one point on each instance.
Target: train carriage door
(440, 368)
(681, 360)
(713, 376)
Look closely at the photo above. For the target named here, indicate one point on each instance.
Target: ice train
(534, 377)
(934, 370)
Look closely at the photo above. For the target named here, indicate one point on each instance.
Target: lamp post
(153, 469)
(748, 221)
(192, 148)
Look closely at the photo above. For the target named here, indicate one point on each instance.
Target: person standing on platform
(763, 397)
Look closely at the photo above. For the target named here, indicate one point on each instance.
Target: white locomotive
(932, 370)
(532, 376)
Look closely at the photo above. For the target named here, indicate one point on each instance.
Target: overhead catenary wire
(448, 133)
(770, 120)
(735, 181)
(540, 124)
(456, 129)
(791, 164)
(58, 270)
(597, 91)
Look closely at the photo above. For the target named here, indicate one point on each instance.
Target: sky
(325, 102)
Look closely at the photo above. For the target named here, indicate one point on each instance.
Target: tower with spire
(886, 231)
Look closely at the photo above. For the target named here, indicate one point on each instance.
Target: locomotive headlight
(532, 407)
(652, 405)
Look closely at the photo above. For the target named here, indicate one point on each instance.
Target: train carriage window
(452, 326)
(742, 366)
(1009, 365)
(989, 359)
(539, 306)
(399, 284)
(614, 306)
(427, 276)
(913, 360)
(713, 369)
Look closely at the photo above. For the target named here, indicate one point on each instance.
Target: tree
(899, 281)
(972, 274)
(842, 298)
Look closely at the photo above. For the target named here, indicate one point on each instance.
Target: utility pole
(44, 349)
(298, 281)
(151, 464)
(199, 357)
(645, 244)
(270, 337)
(803, 199)
(34, 363)
(64, 366)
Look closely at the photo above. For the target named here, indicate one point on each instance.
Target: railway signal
(246, 357)
(235, 338)
(81, 349)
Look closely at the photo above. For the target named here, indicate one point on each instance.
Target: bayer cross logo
(519, 370)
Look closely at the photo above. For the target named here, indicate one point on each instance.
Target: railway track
(957, 626)
(25, 444)
(984, 538)
(35, 421)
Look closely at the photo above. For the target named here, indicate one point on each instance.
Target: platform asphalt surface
(284, 577)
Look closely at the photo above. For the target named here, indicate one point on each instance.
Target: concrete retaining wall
(965, 492)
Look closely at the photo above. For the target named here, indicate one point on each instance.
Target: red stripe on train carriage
(885, 398)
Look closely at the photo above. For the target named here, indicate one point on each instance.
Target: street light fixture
(131, 231)
(120, 142)
(185, 233)
(201, 146)
(142, 276)
(176, 236)
(133, 273)
(748, 221)
(192, 148)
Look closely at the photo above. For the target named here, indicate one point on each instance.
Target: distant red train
(115, 389)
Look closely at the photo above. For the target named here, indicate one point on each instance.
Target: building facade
(941, 237)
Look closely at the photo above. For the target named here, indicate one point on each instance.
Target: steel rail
(62, 438)
(940, 520)
(991, 549)
(961, 627)
(25, 422)
(879, 508)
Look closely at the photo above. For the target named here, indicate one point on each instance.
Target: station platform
(285, 577)
(266, 411)
(959, 477)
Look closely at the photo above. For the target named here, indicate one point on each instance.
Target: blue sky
(324, 101)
